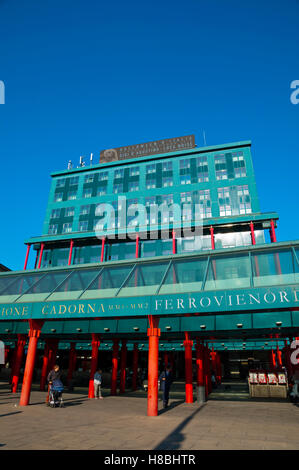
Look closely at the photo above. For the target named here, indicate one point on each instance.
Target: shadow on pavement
(174, 404)
(174, 440)
(8, 414)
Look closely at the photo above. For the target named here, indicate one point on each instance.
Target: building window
(239, 164)
(55, 214)
(74, 180)
(53, 228)
(58, 197)
(83, 226)
(103, 176)
(101, 191)
(150, 169)
(71, 195)
(220, 167)
(167, 181)
(60, 183)
(244, 199)
(185, 164)
(185, 179)
(89, 178)
(69, 211)
(85, 210)
(118, 188)
(87, 193)
(133, 186)
(134, 171)
(224, 201)
(150, 183)
(167, 166)
(202, 169)
(119, 173)
(67, 228)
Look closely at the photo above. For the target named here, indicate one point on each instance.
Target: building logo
(2, 92)
(295, 94)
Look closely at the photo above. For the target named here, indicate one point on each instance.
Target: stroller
(55, 394)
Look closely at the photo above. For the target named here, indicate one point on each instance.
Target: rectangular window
(133, 186)
(74, 180)
(84, 210)
(118, 188)
(67, 228)
(167, 166)
(83, 226)
(150, 183)
(101, 191)
(89, 178)
(69, 211)
(55, 214)
(185, 164)
(220, 167)
(150, 169)
(58, 197)
(134, 171)
(87, 192)
(60, 183)
(53, 229)
(202, 169)
(103, 176)
(71, 195)
(185, 179)
(119, 173)
(167, 181)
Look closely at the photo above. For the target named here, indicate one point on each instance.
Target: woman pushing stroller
(55, 387)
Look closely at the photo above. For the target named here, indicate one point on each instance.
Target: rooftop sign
(148, 148)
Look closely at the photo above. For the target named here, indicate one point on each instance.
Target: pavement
(230, 419)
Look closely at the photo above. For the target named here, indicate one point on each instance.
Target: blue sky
(81, 76)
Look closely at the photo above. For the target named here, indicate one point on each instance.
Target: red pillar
(123, 364)
(71, 252)
(103, 249)
(272, 359)
(40, 255)
(45, 366)
(200, 369)
(207, 369)
(219, 370)
(72, 363)
(252, 233)
(18, 357)
(279, 357)
(212, 238)
(137, 247)
(173, 243)
(27, 255)
(214, 360)
(34, 334)
(135, 366)
(153, 333)
(114, 366)
(188, 343)
(95, 344)
(272, 232)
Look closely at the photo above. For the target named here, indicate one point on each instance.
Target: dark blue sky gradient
(82, 76)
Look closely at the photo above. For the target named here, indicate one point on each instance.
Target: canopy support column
(34, 334)
(200, 372)
(188, 343)
(95, 344)
(114, 366)
(153, 333)
(18, 357)
(123, 364)
(27, 256)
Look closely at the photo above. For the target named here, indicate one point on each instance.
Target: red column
(71, 252)
(95, 344)
(114, 366)
(36, 258)
(173, 243)
(27, 255)
(103, 249)
(153, 333)
(34, 334)
(272, 359)
(41, 255)
(252, 233)
(18, 357)
(135, 366)
(273, 235)
(279, 357)
(72, 363)
(188, 368)
(214, 360)
(219, 369)
(207, 370)
(137, 247)
(45, 366)
(212, 238)
(200, 363)
(123, 364)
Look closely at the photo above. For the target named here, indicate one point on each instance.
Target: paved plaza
(229, 420)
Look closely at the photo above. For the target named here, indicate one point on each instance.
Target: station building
(161, 249)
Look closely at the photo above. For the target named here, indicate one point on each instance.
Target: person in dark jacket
(165, 383)
(54, 374)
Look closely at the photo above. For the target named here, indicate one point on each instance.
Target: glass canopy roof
(266, 266)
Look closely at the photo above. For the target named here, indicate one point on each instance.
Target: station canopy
(239, 268)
